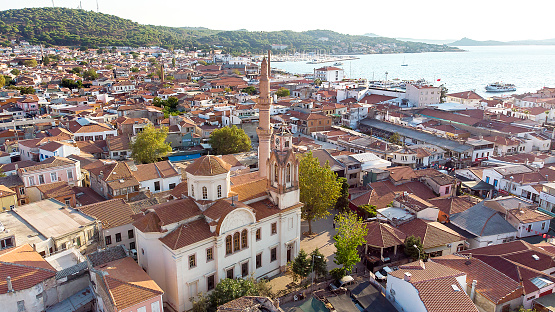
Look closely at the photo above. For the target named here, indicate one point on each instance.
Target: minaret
(264, 131)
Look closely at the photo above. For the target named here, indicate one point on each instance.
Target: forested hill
(70, 27)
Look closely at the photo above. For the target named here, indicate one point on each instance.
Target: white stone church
(226, 227)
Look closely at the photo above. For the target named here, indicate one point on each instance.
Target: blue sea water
(528, 67)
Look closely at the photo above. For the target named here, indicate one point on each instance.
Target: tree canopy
(229, 140)
(301, 266)
(230, 289)
(150, 145)
(319, 189)
(283, 92)
(351, 233)
(90, 74)
(342, 203)
(411, 251)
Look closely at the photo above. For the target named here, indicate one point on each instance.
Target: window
(41, 179)
(7, 242)
(258, 234)
(210, 282)
(288, 174)
(274, 228)
(487, 180)
(229, 274)
(209, 254)
(529, 228)
(192, 190)
(155, 306)
(273, 254)
(244, 239)
(141, 309)
(108, 240)
(132, 245)
(31, 181)
(219, 191)
(275, 172)
(130, 234)
(228, 248)
(67, 201)
(69, 175)
(543, 226)
(21, 306)
(236, 245)
(156, 186)
(494, 182)
(245, 269)
(118, 237)
(53, 177)
(259, 260)
(447, 190)
(192, 261)
(21, 191)
(171, 186)
(204, 192)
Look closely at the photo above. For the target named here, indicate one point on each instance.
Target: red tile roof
(24, 266)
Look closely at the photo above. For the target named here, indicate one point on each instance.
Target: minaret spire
(264, 131)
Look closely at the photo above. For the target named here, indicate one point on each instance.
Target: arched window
(192, 190)
(288, 174)
(275, 172)
(228, 248)
(219, 191)
(204, 192)
(244, 239)
(236, 245)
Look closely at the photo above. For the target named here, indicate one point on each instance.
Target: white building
(60, 149)
(423, 95)
(188, 245)
(329, 73)
(157, 177)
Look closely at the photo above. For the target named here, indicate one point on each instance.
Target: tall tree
(301, 266)
(443, 95)
(230, 289)
(351, 233)
(413, 252)
(150, 145)
(282, 92)
(2, 80)
(90, 74)
(319, 189)
(342, 203)
(229, 140)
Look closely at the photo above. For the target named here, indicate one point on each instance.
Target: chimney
(407, 276)
(101, 175)
(9, 282)
(473, 290)
(276, 304)
(16, 167)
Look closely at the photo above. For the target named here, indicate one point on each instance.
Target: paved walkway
(323, 240)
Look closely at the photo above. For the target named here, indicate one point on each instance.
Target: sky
(424, 19)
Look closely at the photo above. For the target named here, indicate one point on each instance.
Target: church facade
(226, 227)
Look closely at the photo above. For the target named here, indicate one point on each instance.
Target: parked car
(344, 281)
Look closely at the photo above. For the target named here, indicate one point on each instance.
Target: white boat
(500, 87)
(337, 64)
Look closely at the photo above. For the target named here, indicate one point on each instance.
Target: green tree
(201, 303)
(201, 62)
(351, 233)
(15, 71)
(395, 138)
(227, 90)
(370, 211)
(173, 62)
(229, 140)
(411, 251)
(317, 82)
(319, 189)
(236, 72)
(46, 60)
(152, 60)
(342, 203)
(2, 81)
(443, 95)
(301, 266)
(282, 92)
(30, 63)
(90, 74)
(68, 83)
(150, 145)
(249, 90)
(134, 69)
(320, 262)
(2, 173)
(108, 66)
(230, 289)
(76, 70)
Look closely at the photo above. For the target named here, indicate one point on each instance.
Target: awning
(343, 303)
(483, 186)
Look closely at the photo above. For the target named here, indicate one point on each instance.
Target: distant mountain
(470, 42)
(80, 28)
(429, 41)
(371, 35)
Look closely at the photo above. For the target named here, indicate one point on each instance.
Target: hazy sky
(424, 19)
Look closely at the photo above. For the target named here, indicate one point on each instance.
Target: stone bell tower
(264, 130)
(283, 170)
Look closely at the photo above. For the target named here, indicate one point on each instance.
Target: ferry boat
(500, 87)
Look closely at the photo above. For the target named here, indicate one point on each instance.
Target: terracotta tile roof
(187, 234)
(231, 160)
(91, 147)
(491, 283)
(244, 178)
(51, 146)
(159, 170)
(180, 190)
(56, 189)
(452, 205)
(221, 208)
(424, 271)
(24, 266)
(384, 192)
(251, 190)
(432, 234)
(48, 163)
(264, 209)
(112, 213)
(208, 165)
(383, 235)
(526, 215)
(439, 296)
(86, 195)
(401, 173)
(168, 213)
(149, 222)
(128, 285)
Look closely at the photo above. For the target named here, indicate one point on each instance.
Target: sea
(528, 67)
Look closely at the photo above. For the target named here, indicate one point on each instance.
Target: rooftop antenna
(53, 4)
(97, 9)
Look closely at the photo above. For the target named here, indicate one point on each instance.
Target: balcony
(547, 197)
